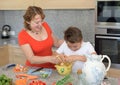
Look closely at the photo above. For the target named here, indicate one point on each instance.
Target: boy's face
(74, 46)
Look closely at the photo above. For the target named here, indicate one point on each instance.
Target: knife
(37, 70)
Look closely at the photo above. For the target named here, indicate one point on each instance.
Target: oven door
(108, 45)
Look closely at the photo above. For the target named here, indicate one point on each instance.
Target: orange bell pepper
(21, 81)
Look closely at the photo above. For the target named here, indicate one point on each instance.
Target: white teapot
(94, 70)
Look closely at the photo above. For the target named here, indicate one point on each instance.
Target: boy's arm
(74, 58)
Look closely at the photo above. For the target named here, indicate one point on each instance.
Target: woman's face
(74, 46)
(36, 23)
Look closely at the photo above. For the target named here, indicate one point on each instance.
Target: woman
(37, 39)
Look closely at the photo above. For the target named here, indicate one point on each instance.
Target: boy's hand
(61, 58)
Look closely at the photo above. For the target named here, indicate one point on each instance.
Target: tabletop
(54, 77)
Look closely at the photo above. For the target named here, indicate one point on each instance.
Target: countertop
(49, 81)
(11, 40)
(55, 77)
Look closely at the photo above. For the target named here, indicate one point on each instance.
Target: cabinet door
(15, 4)
(115, 73)
(65, 4)
(4, 55)
(18, 56)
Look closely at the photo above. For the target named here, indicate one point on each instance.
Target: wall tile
(58, 19)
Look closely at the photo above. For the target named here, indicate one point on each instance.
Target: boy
(74, 48)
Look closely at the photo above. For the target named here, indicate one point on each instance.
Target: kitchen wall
(58, 20)
(2, 20)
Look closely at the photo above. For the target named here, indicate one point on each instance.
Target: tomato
(37, 82)
(54, 83)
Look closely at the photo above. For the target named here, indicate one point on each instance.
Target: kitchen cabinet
(11, 54)
(4, 59)
(113, 72)
(47, 4)
(16, 55)
(65, 4)
(15, 4)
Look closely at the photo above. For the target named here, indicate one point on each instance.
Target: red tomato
(54, 83)
(37, 82)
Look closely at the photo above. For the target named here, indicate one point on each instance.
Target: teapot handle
(109, 61)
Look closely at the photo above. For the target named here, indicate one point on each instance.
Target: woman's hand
(61, 58)
(54, 60)
(57, 59)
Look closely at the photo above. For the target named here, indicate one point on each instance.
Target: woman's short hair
(31, 12)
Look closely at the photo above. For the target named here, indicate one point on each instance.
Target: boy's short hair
(73, 35)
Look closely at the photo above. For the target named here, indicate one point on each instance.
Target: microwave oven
(108, 13)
